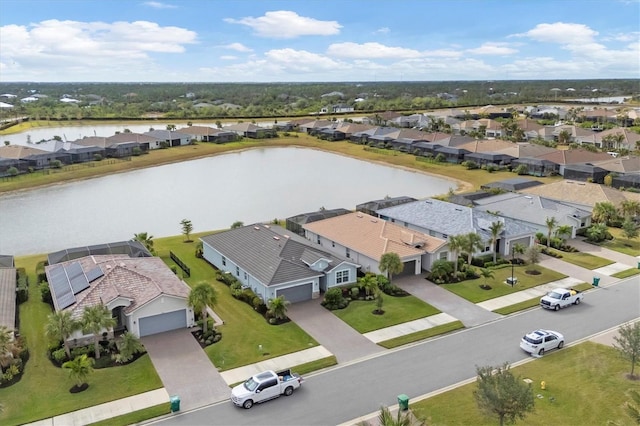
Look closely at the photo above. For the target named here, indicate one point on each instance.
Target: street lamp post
(512, 265)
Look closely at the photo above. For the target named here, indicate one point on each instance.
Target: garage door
(163, 322)
(297, 294)
(408, 269)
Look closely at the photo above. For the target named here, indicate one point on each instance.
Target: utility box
(403, 402)
(596, 281)
(175, 403)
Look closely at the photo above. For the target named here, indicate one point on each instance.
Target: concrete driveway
(331, 332)
(185, 369)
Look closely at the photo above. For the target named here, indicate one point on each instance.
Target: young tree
(391, 264)
(629, 229)
(79, 369)
(237, 224)
(187, 227)
(94, 320)
(441, 270)
(627, 343)
(500, 394)
(277, 307)
(369, 283)
(128, 346)
(496, 229)
(533, 256)
(604, 212)
(563, 232)
(402, 418)
(202, 297)
(629, 208)
(486, 274)
(59, 327)
(551, 223)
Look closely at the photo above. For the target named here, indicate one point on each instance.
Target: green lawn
(626, 273)
(244, 329)
(421, 335)
(470, 289)
(43, 390)
(584, 260)
(588, 383)
(622, 244)
(397, 310)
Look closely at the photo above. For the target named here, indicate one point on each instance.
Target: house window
(432, 233)
(237, 271)
(445, 236)
(318, 239)
(342, 277)
(443, 255)
(348, 253)
(245, 276)
(333, 243)
(224, 261)
(487, 248)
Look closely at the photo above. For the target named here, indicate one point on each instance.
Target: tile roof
(486, 145)
(270, 253)
(373, 236)
(140, 279)
(525, 149)
(452, 219)
(131, 137)
(621, 165)
(582, 192)
(573, 156)
(18, 151)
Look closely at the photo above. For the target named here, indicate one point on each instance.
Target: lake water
(249, 186)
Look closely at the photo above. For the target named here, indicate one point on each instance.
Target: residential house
(365, 239)
(112, 147)
(33, 157)
(337, 109)
(371, 207)
(295, 223)
(249, 130)
(209, 134)
(535, 210)
(565, 158)
(142, 141)
(512, 185)
(628, 165)
(618, 138)
(274, 262)
(582, 193)
(142, 293)
(170, 137)
(442, 219)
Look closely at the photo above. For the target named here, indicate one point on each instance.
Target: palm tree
(94, 320)
(202, 297)
(369, 283)
(604, 212)
(59, 327)
(128, 346)
(629, 208)
(277, 307)
(563, 232)
(146, 240)
(385, 418)
(441, 270)
(486, 274)
(456, 243)
(472, 242)
(8, 347)
(391, 264)
(551, 223)
(495, 228)
(79, 369)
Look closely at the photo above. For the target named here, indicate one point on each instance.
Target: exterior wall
(525, 240)
(331, 276)
(160, 305)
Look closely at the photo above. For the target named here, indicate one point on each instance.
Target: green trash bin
(175, 403)
(596, 281)
(403, 402)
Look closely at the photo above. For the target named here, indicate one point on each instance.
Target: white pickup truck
(265, 386)
(561, 298)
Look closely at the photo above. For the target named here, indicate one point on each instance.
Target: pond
(257, 185)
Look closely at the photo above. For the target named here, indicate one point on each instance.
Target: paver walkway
(331, 332)
(185, 369)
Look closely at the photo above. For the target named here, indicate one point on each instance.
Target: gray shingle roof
(8, 298)
(270, 253)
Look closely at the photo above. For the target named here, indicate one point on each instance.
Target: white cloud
(300, 60)
(238, 47)
(383, 30)
(489, 48)
(287, 24)
(370, 50)
(158, 5)
(561, 33)
(228, 58)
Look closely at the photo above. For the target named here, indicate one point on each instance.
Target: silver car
(539, 341)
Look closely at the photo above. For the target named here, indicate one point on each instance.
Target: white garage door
(163, 322)
(298, 293)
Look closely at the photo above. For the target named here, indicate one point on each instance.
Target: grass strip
(136, 416)
(421, 335)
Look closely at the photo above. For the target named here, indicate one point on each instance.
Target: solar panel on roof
(60, 287)
(94, 274)
(74, 270)
(66, 301)
(79, 283)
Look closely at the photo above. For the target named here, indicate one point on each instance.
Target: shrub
(45, 293)
(59, 356)
(55, 164)
(333, 299)
(521, 170)
(97, 157)
(12, 171)
(470, 165)
(440, 158)
(492, 168)
(355, 291)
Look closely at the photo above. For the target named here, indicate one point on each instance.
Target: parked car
(539, 341)
(265, 386)
(561, 298)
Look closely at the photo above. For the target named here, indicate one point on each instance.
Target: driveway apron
(185, 369)
(468, 313)
(331, 332)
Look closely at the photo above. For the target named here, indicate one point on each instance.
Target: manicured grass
(580, 378)
(397, 310)
(136, 416)
(470, 289)
(316, 365)
(622, 244)
(43, 390)
(421, 335)
(626, 273)
(584, 260)
(533, 302)
(244, 329)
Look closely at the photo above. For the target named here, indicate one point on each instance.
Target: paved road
(347, 392)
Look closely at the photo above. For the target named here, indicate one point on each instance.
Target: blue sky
(317, 40)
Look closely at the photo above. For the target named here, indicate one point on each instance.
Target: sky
(218, 41)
